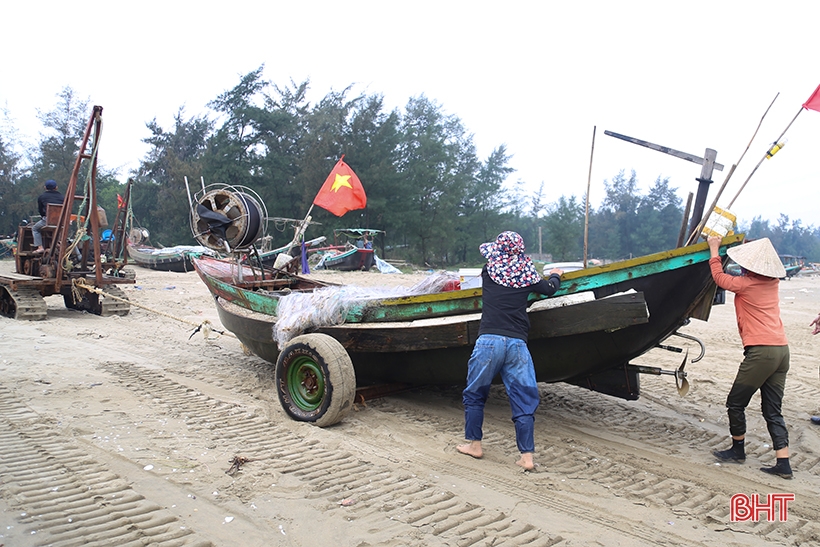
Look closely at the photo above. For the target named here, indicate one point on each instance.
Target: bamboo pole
(770, 152)
(694, 235)
(586, 211)
(686, 210)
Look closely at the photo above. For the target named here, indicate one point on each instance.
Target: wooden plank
(605, 314)
(665, 149)
(19, 277)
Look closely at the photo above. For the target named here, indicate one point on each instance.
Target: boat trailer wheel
(315, 379)
(306, 383)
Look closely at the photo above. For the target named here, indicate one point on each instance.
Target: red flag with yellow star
(342, 191)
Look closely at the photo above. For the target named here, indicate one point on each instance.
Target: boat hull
(649, 299)
(435, 350)
(171, 262)
(351, 260)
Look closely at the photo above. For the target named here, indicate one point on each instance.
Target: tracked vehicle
(76, 263)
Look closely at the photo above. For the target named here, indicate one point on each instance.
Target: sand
(132, 431)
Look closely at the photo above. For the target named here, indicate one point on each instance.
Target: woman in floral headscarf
(507, 281)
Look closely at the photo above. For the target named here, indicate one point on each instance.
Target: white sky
(536, 76)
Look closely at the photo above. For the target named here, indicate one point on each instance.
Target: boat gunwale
(464, 301)
(696, 248)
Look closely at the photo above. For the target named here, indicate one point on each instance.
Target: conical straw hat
(758, 256)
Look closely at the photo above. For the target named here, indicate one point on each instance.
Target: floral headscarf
(506, 262)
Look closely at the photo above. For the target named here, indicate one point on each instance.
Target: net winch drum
(241, 220)
(137, 236)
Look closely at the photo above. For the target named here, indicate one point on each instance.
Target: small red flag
(120, 202)
(814, 101)
(342, 191)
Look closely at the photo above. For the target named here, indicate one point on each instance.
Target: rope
(206, 327)
(82, 230)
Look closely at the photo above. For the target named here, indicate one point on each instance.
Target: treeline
(426, 186)
(788, 236)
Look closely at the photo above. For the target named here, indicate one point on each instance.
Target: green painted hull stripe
(442, 304)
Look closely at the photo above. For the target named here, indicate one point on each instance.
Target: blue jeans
(494, 354)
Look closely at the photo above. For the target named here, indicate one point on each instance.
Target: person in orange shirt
(765, 347)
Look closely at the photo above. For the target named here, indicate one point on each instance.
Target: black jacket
(504, 310)
(49, 196)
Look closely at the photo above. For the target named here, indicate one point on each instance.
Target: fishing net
(301, 312)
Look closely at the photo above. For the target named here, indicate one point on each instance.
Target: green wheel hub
(306, 383)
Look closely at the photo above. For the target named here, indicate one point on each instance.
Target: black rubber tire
(315, 379)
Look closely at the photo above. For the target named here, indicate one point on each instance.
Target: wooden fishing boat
(166, 259)
(793, 264)
(352, 250)
(349, 260)
(427, 339)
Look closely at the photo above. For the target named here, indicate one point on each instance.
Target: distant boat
(348, 260)
(354, 254)
(793, 264)
(167, 259)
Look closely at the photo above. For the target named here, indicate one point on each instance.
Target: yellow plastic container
(721, 223)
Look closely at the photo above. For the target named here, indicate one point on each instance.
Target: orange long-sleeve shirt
(757, 306)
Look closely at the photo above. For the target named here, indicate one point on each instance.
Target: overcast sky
(535, 76)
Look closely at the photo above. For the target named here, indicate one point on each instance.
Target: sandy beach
(135, 431)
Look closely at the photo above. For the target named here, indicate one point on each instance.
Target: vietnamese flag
(814, 101)
(342, 191)
(120, 202)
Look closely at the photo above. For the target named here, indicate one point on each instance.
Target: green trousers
(763, 368)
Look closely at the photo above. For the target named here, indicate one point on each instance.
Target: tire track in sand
(419, 511)
(612, 456)
(64, 497)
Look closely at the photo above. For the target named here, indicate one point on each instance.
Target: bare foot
(526, 461)
(473, 448)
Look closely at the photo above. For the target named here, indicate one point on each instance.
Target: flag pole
(695, 233)
(586, 212)
(769, 153)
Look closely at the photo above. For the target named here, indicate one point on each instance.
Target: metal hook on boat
(697, 341)
(680, 350)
